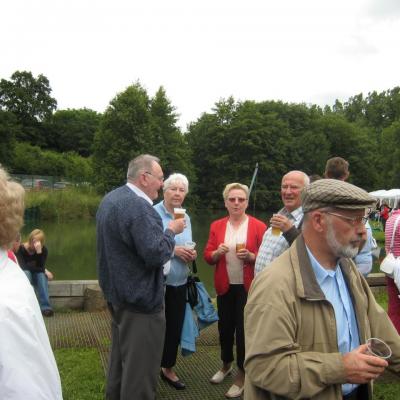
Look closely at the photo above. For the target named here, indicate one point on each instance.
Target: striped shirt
(388, 233)
(273, 246)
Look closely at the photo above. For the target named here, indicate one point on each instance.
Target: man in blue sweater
(131, 250)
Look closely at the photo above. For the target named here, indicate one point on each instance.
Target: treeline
(222, 146)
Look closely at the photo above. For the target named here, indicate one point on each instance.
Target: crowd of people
(291, 293)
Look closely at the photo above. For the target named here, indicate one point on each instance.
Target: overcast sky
(311, 51)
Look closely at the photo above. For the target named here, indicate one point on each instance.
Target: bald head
(292, 185)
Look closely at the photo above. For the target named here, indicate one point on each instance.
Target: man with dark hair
(309, 314)
(131, 250)
(337, 168)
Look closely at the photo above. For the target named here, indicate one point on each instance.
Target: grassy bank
(64, 205)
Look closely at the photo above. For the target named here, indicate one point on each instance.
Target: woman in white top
(232, 247)
(27, 366)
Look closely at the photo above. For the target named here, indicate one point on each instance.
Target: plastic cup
(179, 213)
(240, 246)
(378, 348)
(190, 245)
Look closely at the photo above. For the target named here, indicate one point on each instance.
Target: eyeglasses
(149, 173)
(239, 199)
(352, 220)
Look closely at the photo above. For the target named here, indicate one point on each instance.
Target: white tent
(390, 197)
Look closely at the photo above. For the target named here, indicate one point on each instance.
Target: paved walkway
(81, 329)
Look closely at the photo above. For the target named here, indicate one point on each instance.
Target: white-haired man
(132, 247)
(286, 221)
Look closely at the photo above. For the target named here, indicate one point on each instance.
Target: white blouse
(234, 265)
(28, 369)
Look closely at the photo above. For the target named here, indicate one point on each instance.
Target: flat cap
(334, 193)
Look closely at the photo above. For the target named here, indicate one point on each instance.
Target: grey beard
(338, 249)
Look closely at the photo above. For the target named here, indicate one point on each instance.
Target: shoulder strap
(393, 233)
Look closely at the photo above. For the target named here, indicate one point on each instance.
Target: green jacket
(290, 330)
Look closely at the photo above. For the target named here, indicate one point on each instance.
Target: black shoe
(178, 385)
(48, 313)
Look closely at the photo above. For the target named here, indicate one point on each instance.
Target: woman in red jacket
(232, 246)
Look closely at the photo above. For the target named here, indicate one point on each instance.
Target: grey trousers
(136, 349)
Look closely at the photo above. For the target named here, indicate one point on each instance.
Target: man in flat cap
(309, 315)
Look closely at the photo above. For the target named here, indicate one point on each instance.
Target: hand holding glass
(190, 245)
(240, 246)
(276, 231)
(378, 348)
(179, 213)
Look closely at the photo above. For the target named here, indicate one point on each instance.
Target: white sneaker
(219, 376)
(234, 391)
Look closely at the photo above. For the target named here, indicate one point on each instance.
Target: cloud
(383, 9)
(357, 45)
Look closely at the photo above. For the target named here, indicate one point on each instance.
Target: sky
(309, 51)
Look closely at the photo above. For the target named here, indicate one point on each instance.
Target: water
(72, 247)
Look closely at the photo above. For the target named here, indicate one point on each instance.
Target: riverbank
(64, 205)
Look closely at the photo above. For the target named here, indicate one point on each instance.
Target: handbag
(191, 287)
(390, 262)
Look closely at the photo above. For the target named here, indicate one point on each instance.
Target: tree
(168, 142)
(355, 144)
(389, 162)
(124, 133)
(72, 130)
(227, 144)
(28, 98)
(9, 130)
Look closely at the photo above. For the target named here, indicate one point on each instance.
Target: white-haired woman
(28, 368)
(232, 247)
(175, 190)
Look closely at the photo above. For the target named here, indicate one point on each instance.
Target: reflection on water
(72, 247)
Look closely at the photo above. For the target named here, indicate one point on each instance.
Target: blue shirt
(363, 259)
(179, 270)
(334, 287)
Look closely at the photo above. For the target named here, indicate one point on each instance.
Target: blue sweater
(131, 250)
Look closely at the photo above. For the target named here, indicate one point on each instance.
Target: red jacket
(255, 233)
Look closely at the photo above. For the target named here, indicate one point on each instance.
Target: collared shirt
(139, 192)
(27, 366)
(363, 259)
(273, 246)
(334, 287)
(179, 270)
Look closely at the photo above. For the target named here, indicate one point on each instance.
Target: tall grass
(66, 204)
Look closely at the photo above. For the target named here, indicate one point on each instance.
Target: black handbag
(191, 288)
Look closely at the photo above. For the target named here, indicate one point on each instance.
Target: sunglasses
(239, 199)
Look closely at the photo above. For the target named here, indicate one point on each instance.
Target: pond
(72, 246)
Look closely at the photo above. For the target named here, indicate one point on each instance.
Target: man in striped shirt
(283, 225)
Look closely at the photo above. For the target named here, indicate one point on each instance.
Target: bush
(62, 205)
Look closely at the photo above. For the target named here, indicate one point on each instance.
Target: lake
(72, 246)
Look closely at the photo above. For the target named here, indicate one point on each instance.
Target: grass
(63, 205)
(82, 375)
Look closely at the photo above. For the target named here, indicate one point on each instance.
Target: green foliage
(227, 144)
(9, 130)
(134, 124)
(28, 98)
(66, 204)
(28, 159)
(389, 163)
(82, 376)
(72, 130)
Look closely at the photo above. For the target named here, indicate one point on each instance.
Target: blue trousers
(39, 281)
